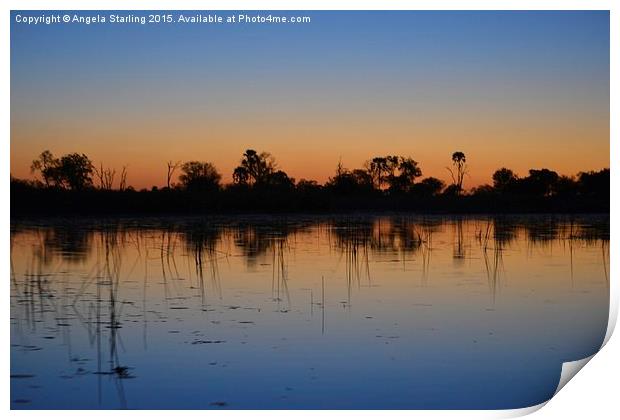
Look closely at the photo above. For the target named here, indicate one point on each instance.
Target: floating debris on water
(32, 348)
(208, 341)
(122, 372)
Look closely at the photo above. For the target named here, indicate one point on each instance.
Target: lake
(317, 312)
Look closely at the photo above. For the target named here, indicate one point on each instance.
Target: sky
(510, 89)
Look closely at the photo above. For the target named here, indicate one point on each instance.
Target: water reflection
(135, 314)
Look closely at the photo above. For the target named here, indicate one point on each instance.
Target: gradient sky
(515, 89)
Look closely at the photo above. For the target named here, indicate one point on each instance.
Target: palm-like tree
(460, 169)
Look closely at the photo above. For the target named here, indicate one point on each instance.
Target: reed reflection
(97, 288)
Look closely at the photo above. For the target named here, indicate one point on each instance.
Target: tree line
(391, 181)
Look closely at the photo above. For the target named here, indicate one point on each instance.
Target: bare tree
(99, 174)
(123, 182)
(172, 167)
(108, 178)
(105, 176)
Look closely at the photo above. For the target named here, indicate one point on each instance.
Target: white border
(593, 395)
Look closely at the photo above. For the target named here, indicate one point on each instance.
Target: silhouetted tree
(408, 171)
(72, 171)
(255, 168)
(76, 170)
(105, 176)
(387, 182)
(362, 178)
(428, 187)
(503, 179)
(280, 180)
(348, 182)
(48, 166)
(397, 173)
(172, 167)
(200, 176)
(380, 168)
(594, 183)
(460, 169)
(122, 185)
(241, 176)
(307, 185)
(541, 182)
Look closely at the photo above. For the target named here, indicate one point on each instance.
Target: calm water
(342, 312)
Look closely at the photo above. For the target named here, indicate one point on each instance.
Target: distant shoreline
(286, 217)
(384, 184)
(53, 203)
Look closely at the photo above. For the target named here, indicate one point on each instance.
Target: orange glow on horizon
(313, 151)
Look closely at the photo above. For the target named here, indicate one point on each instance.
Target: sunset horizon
(159, 173)
(419, 84)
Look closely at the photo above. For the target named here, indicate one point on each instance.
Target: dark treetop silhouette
(388, 183)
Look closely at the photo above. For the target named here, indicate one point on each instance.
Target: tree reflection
(78, 280)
